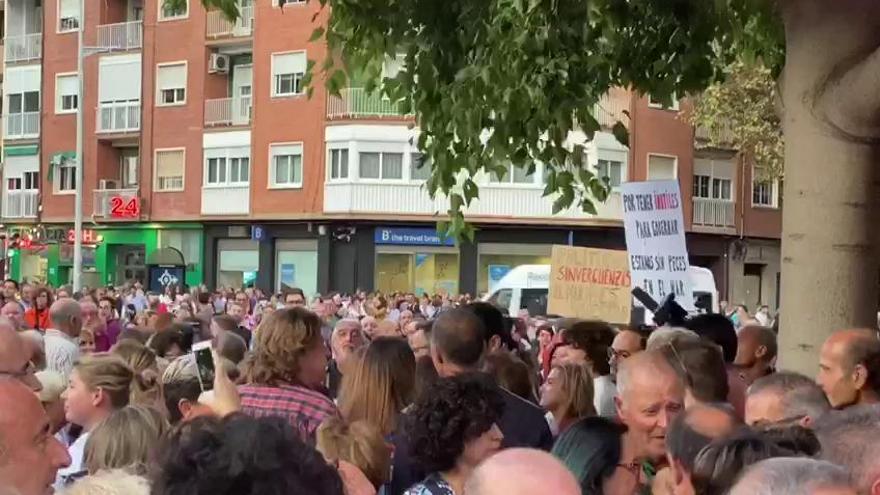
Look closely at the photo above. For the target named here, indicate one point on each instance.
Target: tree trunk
(829, 264)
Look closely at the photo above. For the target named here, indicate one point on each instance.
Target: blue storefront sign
(410, 237)
(258, 233)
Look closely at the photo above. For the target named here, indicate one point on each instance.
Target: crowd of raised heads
(398, 394)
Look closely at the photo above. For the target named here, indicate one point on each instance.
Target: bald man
(849, 368)
(522, 472)
(755, 353)
(62, 348)
(650, 396)
(31, 456)
(15, 357)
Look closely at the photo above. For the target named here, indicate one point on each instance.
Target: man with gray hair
(851, 438)
(15, 357)
(664, 336)
(62, 349)
(15, 313)
(794, 476)
(347, 337)
(785, 397)
(36, 344)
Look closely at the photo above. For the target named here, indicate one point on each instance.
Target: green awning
(61, 157)
(24, 150)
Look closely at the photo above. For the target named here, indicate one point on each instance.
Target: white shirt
(77, 452)
(604, 391)
(62, 351)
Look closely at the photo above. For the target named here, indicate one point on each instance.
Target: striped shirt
(303, 408)
(62, 351)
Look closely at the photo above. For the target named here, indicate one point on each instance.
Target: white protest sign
(655, 242)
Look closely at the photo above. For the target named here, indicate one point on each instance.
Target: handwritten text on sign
(589, 283)
(655, 240)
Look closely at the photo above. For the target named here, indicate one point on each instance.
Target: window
(288, 70)
(68, 15)
(707, 187)
(227, 167)
(381, 165)
(173, 9)
(282, 3)
(286, 163)
(66, 90)
(656, 103)
(420, 167)
(339, 164)
(701, 186)
(763, 194)
(514, 175)
(67, 176)
(26, 102)
(169, 170)
(171, 84)
(611, 169)
(661, 167)
(28, 181)
(721, 189)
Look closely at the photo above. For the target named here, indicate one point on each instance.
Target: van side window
(534, 300)
(502, 298)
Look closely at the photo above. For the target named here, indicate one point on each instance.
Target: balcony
(119, 117)
(21, 125)
(219, 26)
(21, 203)
(725, 138)
(116, 204)
(354, 103)
(121, 35)
(714, 213)
(496, 201)
(232, 200)
(228, 111)
(24, 47)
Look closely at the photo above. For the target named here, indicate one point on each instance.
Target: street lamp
(81, 53)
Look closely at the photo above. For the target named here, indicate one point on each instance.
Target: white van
(527, 286)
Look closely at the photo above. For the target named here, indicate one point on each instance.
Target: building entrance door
(130, 264)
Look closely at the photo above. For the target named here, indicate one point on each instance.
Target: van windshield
(501, 298)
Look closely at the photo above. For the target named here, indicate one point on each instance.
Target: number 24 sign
(125, 207)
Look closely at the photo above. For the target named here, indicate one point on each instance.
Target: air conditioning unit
(108, 184)
(219, 64)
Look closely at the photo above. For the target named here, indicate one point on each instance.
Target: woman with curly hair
(284, 373)
(452, 428)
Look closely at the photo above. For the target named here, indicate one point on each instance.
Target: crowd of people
(395, 394)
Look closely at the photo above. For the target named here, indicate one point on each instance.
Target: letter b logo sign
(386, 235)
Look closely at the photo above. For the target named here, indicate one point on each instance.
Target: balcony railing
(21, 203)
(725, 137)
(121, 35)
(358, 103)
(105, 202)
(24, 47)
(228, 111)
(120, 116)
(218, 25)
(21, 125)
(718, 213)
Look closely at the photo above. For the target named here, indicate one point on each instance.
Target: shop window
(419, 272)
(188, 242)
(238, 263)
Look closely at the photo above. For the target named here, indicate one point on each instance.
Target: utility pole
(78, 176)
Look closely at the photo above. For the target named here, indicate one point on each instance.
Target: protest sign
(655, 242)
(589, 283)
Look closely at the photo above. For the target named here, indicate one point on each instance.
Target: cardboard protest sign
(589, 283)
(655, 241)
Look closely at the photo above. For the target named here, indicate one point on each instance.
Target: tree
(493, 81)
(741, 112)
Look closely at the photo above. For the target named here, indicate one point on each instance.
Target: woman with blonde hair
(142, 361)
(99, 385)
(284, 373)
(380, 385)
(127, 439)
(567, 396)
(116, 482)
(359, 453)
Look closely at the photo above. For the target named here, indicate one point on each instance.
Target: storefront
(415, 259)
(495, 260)
(114, 255)
(273, 257)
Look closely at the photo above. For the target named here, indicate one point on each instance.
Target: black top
(522, 424)
(245, 334)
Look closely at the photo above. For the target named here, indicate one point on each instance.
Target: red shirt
(303, 408)
(37, 319)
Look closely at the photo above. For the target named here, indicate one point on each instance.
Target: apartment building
(199, 136)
